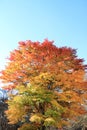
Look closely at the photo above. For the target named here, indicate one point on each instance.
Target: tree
(50, 83)
(81, 124)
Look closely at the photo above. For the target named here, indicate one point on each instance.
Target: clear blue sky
(64, 21)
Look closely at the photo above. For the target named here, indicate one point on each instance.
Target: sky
(64, 21)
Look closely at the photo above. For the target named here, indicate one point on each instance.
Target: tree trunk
(43, 128)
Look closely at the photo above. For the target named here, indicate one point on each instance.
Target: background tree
(50, 83)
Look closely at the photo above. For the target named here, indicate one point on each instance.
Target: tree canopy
(50, 83)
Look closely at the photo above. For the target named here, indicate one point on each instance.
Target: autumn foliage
(50, 83)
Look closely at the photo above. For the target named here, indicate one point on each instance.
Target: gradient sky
(64, 21)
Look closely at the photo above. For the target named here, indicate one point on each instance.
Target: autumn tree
(50, 84)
